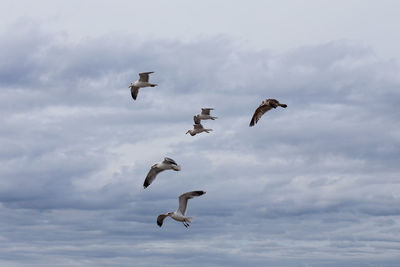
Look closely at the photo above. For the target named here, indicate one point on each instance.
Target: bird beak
(187, 132)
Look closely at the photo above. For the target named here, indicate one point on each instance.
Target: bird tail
(208, 130)
(153, 84)
(213, 118)
(283, 105)
(189, 219)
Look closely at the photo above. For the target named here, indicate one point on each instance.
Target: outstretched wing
(151, 175)
(144, 76)
(183, 199)
(258, 114)
(134, 92)
(206, 111)
(196, 119)
(160, 219)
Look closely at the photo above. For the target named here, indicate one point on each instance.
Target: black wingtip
(159, 222)
(200, 192)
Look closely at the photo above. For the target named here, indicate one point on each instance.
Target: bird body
(197, 128)
(167, 164)
(177, 216)
(180, 214)
(141, 84)
(143, 81)
(265, 105)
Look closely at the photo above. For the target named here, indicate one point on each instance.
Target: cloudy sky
(316, 184)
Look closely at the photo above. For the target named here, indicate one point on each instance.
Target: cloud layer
(315, 184)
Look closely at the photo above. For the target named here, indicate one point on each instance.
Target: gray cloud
(315, 184)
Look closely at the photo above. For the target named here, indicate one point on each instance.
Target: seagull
(266, 105)
(142, 82)
(167, 164)
(197, 128)
(179, 214)
(204, 115)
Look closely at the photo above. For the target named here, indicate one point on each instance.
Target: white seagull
(266, 105)
(179, 214)
(142, 82)
(204, 115)
(197, 128)
(167, 164)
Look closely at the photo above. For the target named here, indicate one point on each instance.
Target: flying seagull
(167, 164)
(142, 82)
(204, 115)
(197, 128)
(266, 105)
(179, 214)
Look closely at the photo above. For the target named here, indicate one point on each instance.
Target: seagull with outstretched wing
(167, 164)
(197, 128)
(180, 214)
(204, 115)
(143, 81)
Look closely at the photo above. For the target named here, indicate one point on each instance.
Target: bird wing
(169, 161)
(206, 111)
(258, 113)
(134, 92)
(151, 175)
(196, 119)
(183, 199)
(160, 219)
(198, 126)
(144, 76)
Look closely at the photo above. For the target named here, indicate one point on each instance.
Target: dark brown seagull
(266, 105)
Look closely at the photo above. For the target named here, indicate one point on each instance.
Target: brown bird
(266, 105)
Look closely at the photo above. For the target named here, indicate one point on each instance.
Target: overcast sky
(315, 184)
